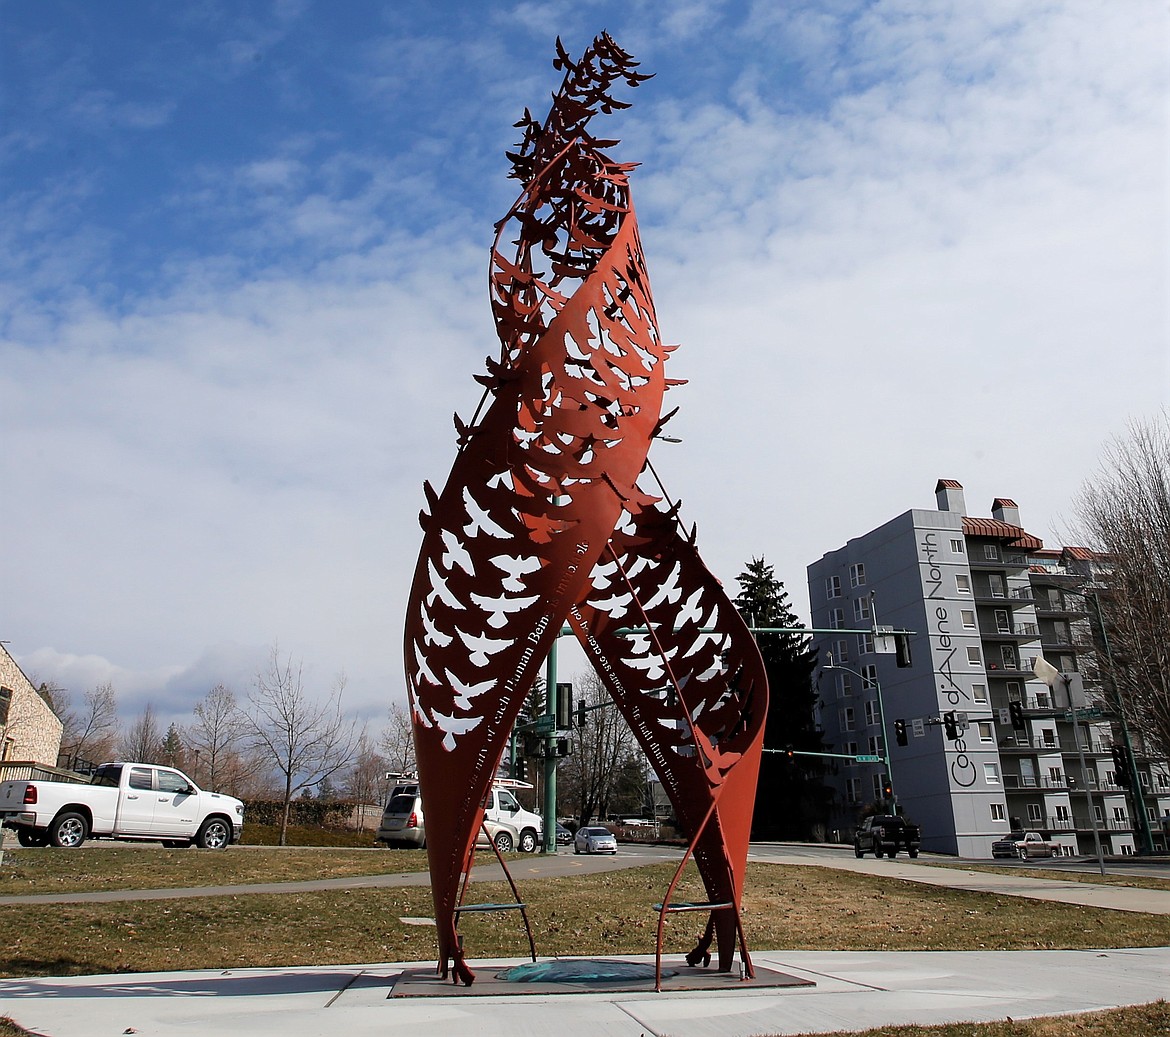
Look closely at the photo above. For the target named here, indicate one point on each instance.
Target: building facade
(29, 730)
(983, 599)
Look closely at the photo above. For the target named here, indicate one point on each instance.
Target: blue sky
(243, 265)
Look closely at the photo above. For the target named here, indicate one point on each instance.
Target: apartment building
(989, 747)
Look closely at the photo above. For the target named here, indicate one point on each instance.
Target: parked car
(515, 828)
(594, 839)
(564, 836)
(886, 834)
(1025, 845)
(402, 822)
(134, 801)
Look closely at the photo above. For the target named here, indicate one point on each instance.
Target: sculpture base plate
(586, 976)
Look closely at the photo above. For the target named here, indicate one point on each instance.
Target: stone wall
(32, 731)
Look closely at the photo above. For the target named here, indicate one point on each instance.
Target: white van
(502, 806)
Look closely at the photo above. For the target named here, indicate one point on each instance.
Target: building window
(998, 813)
(869, 675)
(879, 785)
(979, 692)
(963, 584)
(1061, 815)
(841, 651)
(991, 552)
(1035, 814)
(1119, 814)
(857, 574)
(833, 587)
(836, 618)
(5, 703)
(991, 773)
(853, 790)
(851, 750)
(973, 656)
(871, 713)
(986, 733)
(875, 746)
(1055, 777)
(844, 685)
(1014, 692)
(968, 618)
(958, 547)
(1164, 781)
(1007, 653)
(847, 718)
(865, 644)
(1003, 624)
(861, 608)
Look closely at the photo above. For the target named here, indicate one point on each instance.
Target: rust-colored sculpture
(542, 521)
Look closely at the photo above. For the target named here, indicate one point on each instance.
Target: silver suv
(402, 820)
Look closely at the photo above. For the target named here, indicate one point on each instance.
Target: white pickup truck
(1025, 845)
(122, 801)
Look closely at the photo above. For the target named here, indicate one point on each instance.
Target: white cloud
(941, 253)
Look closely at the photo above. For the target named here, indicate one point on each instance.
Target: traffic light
(902, 650)
(564, 706)
(563, 747)
(888, 789)
(581, 714)
(950, 725)
(900, 732)
(520, 769)
(1016, 711)
(1121, 765)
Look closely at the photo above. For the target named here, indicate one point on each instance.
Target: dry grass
(150, 867)
(610, 913)
(1136, 1021)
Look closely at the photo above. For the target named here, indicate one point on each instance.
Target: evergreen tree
(792, 800)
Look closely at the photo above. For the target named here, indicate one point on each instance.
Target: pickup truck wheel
(527, 841)
(68, 831)
(30, 837)
(214, 835)
(913, 853)
(858, 851)
(877, 850)
(892, 852)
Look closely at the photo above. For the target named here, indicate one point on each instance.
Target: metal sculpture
(542, 521)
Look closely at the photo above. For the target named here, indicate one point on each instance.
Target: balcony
(1006, 560)
(1012, 632)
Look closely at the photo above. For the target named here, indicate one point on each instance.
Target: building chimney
(949, 495)
(1006, 511)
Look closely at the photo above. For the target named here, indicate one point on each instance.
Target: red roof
(985, 527)
(1003, 502)
(1082, 554)
(948, 484)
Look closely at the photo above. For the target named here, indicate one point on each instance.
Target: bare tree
(143, 740)
(90, 729)
(397, 740)
(365, 782)
(604, 751)
(215, 739)
(306, 741)
(1124, 513)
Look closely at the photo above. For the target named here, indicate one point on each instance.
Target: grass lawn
(785, 907)
(123, 866)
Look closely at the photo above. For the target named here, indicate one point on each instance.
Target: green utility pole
(550, 752)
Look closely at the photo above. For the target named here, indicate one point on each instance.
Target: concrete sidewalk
(853, 991)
